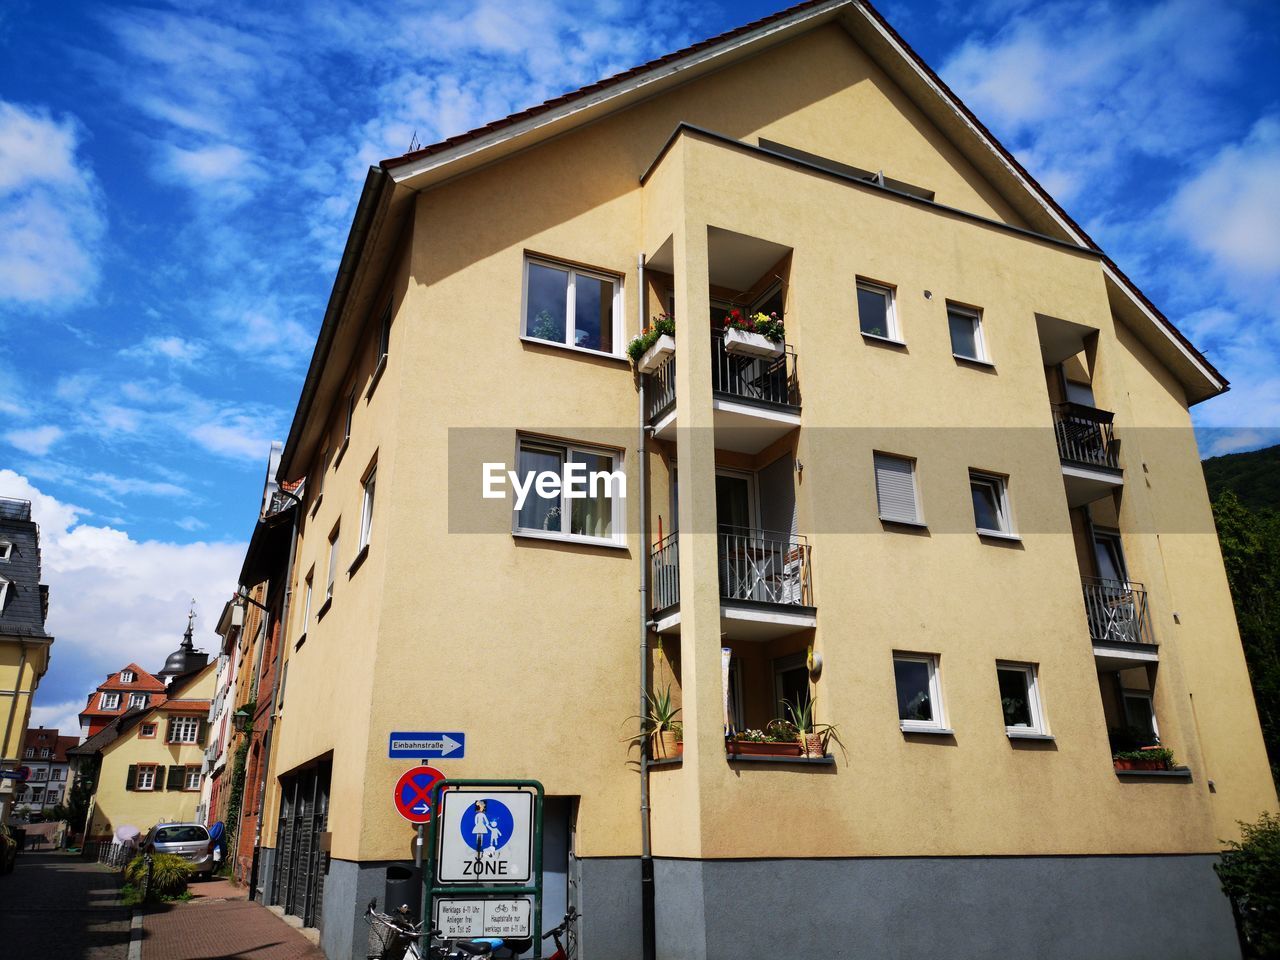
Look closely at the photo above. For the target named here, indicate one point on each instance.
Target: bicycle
(568, 948)
(398, 938)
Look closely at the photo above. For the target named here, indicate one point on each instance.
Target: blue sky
(177, 179)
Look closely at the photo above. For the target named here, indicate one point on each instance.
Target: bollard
(146, 883)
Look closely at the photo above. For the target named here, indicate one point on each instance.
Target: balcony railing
(660, 391)
(1117, 611)
(1085, 435)
(761, 380)
(755, 565)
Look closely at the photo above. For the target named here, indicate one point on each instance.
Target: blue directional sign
(433, 745)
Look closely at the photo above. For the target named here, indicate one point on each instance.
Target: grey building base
(348, 888)
(266, 864)
(1050, 908)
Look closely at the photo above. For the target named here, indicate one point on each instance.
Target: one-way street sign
(433, 745)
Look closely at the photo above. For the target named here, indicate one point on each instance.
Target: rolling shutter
(131, 778)
(176, 774)
(896, 488)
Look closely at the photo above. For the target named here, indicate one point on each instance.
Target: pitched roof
(143, 681)
(64, 744)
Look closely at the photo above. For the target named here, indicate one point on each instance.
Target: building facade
(958, 512)
(24, 642)
(45, 756)
(129, 688)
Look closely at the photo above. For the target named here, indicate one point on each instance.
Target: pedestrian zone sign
(486, 836)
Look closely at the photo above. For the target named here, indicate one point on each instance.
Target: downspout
(647, 912)
(275, 681)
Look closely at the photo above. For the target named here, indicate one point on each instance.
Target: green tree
(1250, 876)
(1251, 551)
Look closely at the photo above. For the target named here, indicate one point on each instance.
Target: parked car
(8, 849)
(188, 840)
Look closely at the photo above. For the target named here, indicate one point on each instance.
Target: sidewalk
(57, 905)
(213, 927)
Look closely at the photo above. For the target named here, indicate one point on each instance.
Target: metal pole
(647, 908)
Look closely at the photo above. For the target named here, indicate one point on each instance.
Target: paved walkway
(57, 905)
(209, 928)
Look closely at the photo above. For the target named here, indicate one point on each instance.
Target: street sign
(412, 797)
(410, 745)
(486, 836)
(507, 918)
(21, 774)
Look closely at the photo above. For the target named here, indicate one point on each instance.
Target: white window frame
(127, 676)
(565, 447)
(144, 727)
(384, 334)
(109, 701)
(181, 727)
(150, 770)
(306, 601)
(4, 591)
(29, 753)
(939, 722)
(6, 551)
(188, 774)
(335, 544)
(135, 697)
(1035, 705)
(1004, 513)
(918, 519)
(571, 304)
(979, 334)
(894, 332)
(366, 505)
(1147, 695)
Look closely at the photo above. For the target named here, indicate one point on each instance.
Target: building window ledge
(315, 507)
(892, 522)
(886, 341)
(377, 375)
(666, 762)
(566, 538)
(337, 459)
(827, 761)
(358, 562)
(599, 354)
(297, 644)
(1028, 735)
(927, 731)
(1182, 774)
(999, 535)
(324, 608)
(974, 361)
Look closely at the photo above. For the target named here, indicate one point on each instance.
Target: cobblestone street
(57, 905)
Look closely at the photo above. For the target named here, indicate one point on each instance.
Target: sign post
(484, 873)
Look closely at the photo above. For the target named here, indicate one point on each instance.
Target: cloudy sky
(177, 180)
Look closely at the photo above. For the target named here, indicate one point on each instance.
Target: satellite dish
(127, 834)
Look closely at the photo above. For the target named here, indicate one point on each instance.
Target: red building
(129, 688)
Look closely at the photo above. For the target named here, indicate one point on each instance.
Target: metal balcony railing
(1085, 435)
(12, 509)
(664, 572)
(660, 391)
(1117, 611)
(754, 379)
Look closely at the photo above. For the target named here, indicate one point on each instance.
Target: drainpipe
(647, 916)
(275, 681)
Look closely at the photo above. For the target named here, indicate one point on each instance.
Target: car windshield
(186, 833)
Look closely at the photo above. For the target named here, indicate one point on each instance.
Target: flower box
(1140, 764)
(753, 748)
(656, 355)
(745, 344)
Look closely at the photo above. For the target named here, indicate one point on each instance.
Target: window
(366, 510)
(37, 794)
(737, 716)
(137, 700)
(4, 591)
(351, 414)
(571, 306)
(42, 774)
(184, 729)
(1140, 715)
(384, 333)
(44, 753)
(146, 777)
(109, 701)
(146, 731)
(990, 503)
(29, 753)
(896, 495)
(127, 676)
(1020, 699)
(306, 600)
(6, 550)
(966, 333)
(876, 315)
(334, 542)
(192, 779)
(587, 501)
(790, 683)
(919, 692)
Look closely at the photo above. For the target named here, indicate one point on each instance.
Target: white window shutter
(896, 488)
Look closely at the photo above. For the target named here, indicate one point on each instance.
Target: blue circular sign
(487, 825)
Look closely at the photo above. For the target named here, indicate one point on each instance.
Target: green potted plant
(651, 348)
(757, 335)
(660, 732)
(1147, 758)
(814, 738)
(778, 739)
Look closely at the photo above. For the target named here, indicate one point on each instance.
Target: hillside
(1253, 476)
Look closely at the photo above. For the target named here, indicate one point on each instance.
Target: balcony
(1089, 452)
(756, 400)
(1119, 623)
(765, 584)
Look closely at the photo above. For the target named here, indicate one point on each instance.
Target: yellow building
(960, 510)
(24, 642)
(151, 760)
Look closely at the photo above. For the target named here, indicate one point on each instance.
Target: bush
(1250, 876)
(169, 875)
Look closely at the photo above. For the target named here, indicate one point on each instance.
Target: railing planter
(1160, 758)
(745, 344)
(754, 748)
(656, 355)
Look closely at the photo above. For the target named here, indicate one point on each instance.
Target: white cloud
(237, 436)
(51, 216)
(36, 441)
(127, 486)
(190, 524)
(172, 348)
(63, 716)
(114, 599)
